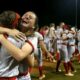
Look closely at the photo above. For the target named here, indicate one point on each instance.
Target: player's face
(28, 19)
(28, 23)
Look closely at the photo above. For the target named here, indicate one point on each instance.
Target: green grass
(50, 73)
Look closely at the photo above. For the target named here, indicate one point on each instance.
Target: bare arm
(4, 30)
(44, 49)
(18, 54)
(13, 32)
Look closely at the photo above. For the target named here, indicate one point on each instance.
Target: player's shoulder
(37, 34)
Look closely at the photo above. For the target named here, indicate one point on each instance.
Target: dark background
(48, 11)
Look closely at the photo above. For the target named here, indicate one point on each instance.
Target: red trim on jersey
(31, 45)
(8, 78)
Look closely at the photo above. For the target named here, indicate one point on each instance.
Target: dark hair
(7, 19)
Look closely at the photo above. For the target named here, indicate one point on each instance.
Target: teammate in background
(59, 57)
(71, 47)
(53, 43)
(59, 54)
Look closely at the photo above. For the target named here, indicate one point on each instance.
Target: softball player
(58, 32)
(7, 72)
(71, 43)
(65, 53)
(30, 19)
(47, 41)
(38, 55)
(71, 47)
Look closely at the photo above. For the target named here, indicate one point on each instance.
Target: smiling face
(28, 19)
(28, 23)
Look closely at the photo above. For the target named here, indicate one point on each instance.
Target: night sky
(48, 11)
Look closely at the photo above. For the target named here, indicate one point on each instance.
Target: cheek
(32, 22)
(46, 32)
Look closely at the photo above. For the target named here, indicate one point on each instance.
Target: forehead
(30, 14)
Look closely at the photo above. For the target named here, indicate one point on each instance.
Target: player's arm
(18, 54)
(44, 49)
(13, 32)
(4, 30)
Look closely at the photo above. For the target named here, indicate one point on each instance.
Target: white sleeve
(37, 34)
